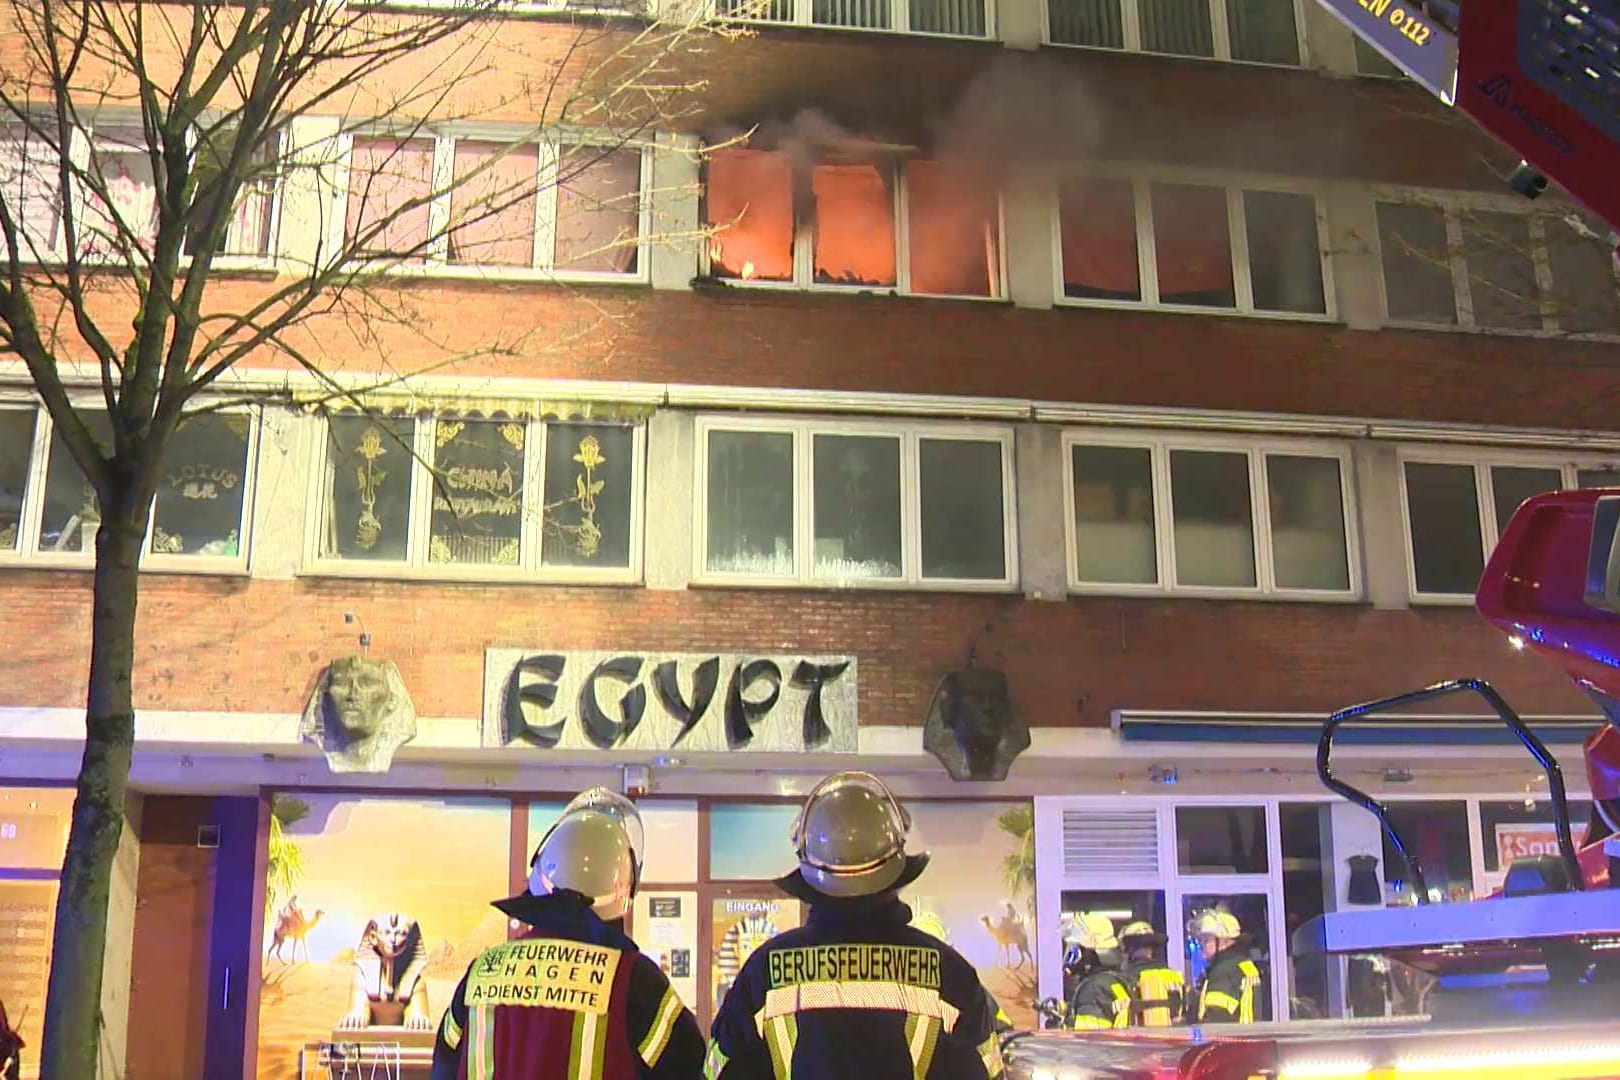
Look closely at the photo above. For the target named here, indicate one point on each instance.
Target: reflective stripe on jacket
(1102, 1000)
(1161, 994)
(857, 994)
(574, 995)
(1226, 992)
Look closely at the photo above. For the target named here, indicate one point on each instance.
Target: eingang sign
(632, 700)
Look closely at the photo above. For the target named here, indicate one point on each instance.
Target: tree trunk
(73, 1002)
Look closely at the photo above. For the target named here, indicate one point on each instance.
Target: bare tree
(110, 290)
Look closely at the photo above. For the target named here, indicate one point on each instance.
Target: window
(455, 494)
(950, 18)
(1437, 834)
(855, 504)
(117, 156)
(1451, 264)
(1258, 31)
(845, 230)
(1157, 516)
(1456, 509)
(1221, 840)
(1523, 829)
(48, 510)
(1369, 61)
(1192, 246)
(493, 205)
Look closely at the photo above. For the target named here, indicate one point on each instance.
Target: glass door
(740, 920)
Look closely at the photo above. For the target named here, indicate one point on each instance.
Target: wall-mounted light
(349, 619)
(1162, 774)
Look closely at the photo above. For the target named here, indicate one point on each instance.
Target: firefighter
(1101, 998)
(856, 992)
(1159, 990)
(1225, 993)
(573, 998)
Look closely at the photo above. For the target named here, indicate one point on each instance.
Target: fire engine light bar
(1568, 1062)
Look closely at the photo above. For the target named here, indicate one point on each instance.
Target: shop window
(1456, 511)
(750, 841)
(1448, 263)
(740, 925)
(1437, 833)
(1523, 829)
(479, 513)
(199, 504)
(1192, 262)
(16, 452)
(1214, 518)
(334, 863)
(867, 492)
(33, 841)
(572, 209)
(1123, 494)
(1221, 840)
(1113, 514)
(1250, 910)
(1257, 31)
(1304, 888)
(857, 506)
(844, 229)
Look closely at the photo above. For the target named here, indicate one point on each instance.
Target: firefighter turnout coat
(572, 999)
(858, 994)
(1160, 992)
(1101, 999)
(1225, 994)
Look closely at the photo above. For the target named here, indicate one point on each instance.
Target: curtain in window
(492, 211)
(865, 14)
(748, 201)
(1097, 218)
(124, 169)
(1262, 31)
(854, 234)
(28, 176)
(598, 210)
(1181, 27)
(961, 17)
(1193, 245)
(390, 181)
(1086, 22)
(954, 232)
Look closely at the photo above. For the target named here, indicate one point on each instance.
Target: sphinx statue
(359, 714)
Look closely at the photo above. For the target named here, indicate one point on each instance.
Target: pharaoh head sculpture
(972, 727)
(359, 714)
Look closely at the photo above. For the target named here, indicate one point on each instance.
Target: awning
(1297, 729)
(406, 403)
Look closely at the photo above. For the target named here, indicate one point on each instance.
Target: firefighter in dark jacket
(1101, 1000)
(856, 993)
(1159, 990)
(573, 998)
(1225, 993)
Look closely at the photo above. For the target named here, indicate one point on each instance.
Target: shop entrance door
(738, 920)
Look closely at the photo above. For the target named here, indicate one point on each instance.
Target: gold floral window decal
(477, 493)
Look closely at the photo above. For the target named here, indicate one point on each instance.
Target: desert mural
(337, 864)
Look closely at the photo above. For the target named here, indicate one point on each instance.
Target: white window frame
(435, 262)
(1220, 34)
(1454, 206)
(28, 552)
(804, 255)
(899, 21)
(80, 143)
(1147, 255)
(417, 563)
(909, 437)
(1482, 461)
(1159, 446)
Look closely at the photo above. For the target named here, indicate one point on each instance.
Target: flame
(748, 270)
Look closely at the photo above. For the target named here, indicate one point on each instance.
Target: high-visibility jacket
(1160, 993)
(857, 994)
(572, 999)
(1226, 991)
(1101, 1000)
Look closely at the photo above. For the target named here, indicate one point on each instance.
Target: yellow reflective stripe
(587, 1049)
(714, 1063)
(1122, 1004)
(922, 1036)
(781, 1032)
(450, 1031)
(663, 1025)
(894, 997)
(990, 1054)
(1083, 1022)
(481, 1051)
(1219, 1000)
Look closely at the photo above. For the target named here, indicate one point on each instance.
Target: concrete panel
(669, 527)
(1383, 535)
(1020, 23)
(675, 237)
(1029, 209)
(286, 440)
(1042, 548)
(1352, 246)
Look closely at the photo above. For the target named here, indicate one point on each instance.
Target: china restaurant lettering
(697, 702)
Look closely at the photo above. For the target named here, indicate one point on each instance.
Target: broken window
(749, 203)
(1097, 218)
(954, 232)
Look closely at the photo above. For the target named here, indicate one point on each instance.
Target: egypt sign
(669, 701)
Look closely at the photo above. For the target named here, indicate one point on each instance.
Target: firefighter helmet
(1140, 931)
(1092, 930)
(1219, 924)
(594, 849)
(850, 838)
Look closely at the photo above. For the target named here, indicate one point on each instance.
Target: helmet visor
(599, 800)
(850, 783)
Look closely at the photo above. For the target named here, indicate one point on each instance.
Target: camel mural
(1011, 936)
(293, 926)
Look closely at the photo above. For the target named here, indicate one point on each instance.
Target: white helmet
(1219, 924)
(1091, 930)
(594, 849)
